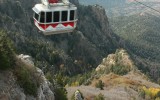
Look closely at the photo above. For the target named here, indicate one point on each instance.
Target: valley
(138, 26)
(112, 54)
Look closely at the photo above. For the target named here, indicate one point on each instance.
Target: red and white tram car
(54, 17)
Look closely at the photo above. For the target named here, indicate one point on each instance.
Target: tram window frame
(75, 15)
(56, 18)
(64, 16)
(72, 15)
(42, 20)
(36, 16)
(49, 16)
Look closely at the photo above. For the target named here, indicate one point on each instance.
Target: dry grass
(112, 80)
(90, 97)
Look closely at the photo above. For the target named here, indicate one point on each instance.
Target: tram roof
(55, 7)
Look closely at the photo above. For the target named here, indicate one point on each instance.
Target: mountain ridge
(122, 82)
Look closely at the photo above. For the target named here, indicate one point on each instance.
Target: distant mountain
(116, 8)
(104, 3)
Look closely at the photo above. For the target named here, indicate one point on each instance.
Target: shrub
(60, 93)
(152, 93)
(158, 94)
(58, 85)
(6, 51)
(99, 97)
(142, 93)
(49, 77)
(100, 84)
(26, 78)
(120, 70)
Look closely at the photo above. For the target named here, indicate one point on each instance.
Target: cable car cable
(146, 6)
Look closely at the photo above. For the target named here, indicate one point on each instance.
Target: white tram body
(55, 18)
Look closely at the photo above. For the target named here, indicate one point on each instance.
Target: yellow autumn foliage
(151, 91)
(75, 84)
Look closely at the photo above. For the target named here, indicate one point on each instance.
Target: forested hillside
(71, 53)
(138, 25)
(124, 8)
(142, 36)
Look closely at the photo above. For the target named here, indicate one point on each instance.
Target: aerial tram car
(55, 16)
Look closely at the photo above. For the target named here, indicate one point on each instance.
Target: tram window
(36, 16)
(64, 15)
(72, 13)
(56, 16)
(42, 17)
(48, 17)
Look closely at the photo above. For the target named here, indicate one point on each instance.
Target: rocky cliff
(11, 90)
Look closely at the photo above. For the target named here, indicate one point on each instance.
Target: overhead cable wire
(147, 6)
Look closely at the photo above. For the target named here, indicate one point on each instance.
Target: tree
(60, 93)
(158, 94)
(6, 51)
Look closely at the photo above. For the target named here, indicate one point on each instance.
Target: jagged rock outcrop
(77, 95)
(11, 90)
(120, 58)
(44, 91)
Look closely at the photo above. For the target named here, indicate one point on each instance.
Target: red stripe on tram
(53, 1)
(44, 26)
(68, 23)
(54, 25)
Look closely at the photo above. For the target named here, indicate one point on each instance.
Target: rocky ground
(119, 88)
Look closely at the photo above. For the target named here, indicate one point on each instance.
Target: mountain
(116, 8)
(71, 59)
(104, 3)
(137, 25)
(117, 78)
(59, 56)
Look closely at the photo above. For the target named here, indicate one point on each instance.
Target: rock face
(120, 58)
(78, 95)
(10, 90)
(44, 91)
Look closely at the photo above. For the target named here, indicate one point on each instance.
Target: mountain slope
(141, 33)
(116, 8)
(19, 78)
(130, 84)
(64, 49)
